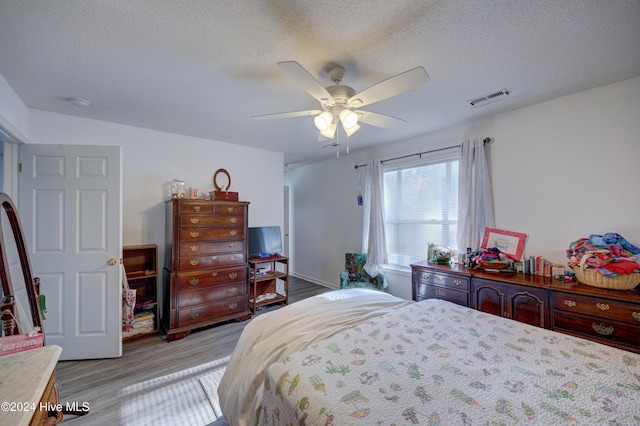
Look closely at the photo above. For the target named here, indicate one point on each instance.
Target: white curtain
(475, 195)
(373, 236)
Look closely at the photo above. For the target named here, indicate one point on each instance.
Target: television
(265, 241)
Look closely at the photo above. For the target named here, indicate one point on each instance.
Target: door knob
(112, 261)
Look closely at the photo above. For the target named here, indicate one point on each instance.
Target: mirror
(221, 180)
(19, 293)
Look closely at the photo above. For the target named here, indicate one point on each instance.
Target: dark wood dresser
(206, 269)
(607, 316)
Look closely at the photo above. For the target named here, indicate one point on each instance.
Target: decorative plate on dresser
(206, 269)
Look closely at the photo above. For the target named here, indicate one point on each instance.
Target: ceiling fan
(339, 102)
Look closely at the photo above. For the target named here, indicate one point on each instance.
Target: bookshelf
(141, 268)
(268, 281)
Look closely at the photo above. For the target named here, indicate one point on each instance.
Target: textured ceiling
(203, 68)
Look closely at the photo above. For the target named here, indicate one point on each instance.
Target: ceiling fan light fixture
(339, 104)
(323, 120)
(330, 131)
(351, 130)
(348, 118)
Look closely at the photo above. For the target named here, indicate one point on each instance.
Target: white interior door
(70, 206)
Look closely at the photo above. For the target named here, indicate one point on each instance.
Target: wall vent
(487, 99)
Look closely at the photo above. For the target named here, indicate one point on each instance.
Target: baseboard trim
(315, 281)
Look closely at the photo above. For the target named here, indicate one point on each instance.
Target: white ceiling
(203, 68)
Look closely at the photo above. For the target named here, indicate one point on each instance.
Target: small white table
(27, 386)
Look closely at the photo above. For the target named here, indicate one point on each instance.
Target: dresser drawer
(446, 280)
(200, 279)
(228, 209)
(196, 315)
(204, 221)
(592, 326)
(210, 295)
(199, 248)
(211, 234)
(210, 261)
(428, 291)
(188, 207)
(602, 308)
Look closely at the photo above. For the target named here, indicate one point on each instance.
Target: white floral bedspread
(434, 362)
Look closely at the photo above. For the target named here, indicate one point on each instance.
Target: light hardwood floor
(155, 381)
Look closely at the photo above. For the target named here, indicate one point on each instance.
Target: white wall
(13, 130)
(13, 114)
(325, 220)
(152, 159)
(561, 170)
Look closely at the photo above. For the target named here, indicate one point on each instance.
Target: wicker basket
(590, 276)
(491, 265)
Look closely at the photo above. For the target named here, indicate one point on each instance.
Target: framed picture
(508, 242)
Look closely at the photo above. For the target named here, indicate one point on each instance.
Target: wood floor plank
(155, 382)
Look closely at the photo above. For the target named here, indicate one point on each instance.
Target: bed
(364, 357)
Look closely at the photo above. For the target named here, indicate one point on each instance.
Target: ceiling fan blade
(379, 120)
(287, 114)
(390, 87)
(305, 80)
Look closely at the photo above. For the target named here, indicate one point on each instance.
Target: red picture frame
(508, 242)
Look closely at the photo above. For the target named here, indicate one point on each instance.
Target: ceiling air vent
(487, 99)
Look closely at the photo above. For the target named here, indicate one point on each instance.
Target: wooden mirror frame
(215, 179)
(8, 294)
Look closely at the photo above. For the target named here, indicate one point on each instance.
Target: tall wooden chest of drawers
(206, 269)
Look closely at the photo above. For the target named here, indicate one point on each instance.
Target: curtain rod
(486, 141)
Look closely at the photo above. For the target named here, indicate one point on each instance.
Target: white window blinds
(421, 207)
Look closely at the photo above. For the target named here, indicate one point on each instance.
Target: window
(421, 207)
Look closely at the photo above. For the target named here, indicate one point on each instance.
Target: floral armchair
(354, 275)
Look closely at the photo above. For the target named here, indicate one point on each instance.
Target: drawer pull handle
(196, 208)
(233, 275)
(194, 234)
(194, 281)
(440, 277)
(195, 220)
(233, 232)
(214, 274)
(194, 315)
(233, 290)
(441, 293)
(233, 219)
(233, 305)
(636, 315)
(193, 248)
(457, 282)
(602, 306)
(193, 262)
(233, 257)
(214, 258)
(425, 276)
(602, 329)
(570, 303)
(232, 245)
(230, 209)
